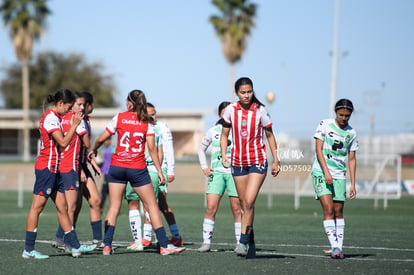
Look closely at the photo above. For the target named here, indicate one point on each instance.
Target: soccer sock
(109, 235)
(59, 232)
(174, 231)
(148, 231)
(30, 240)
(340, 229)
(135, 225)
(162, 237)
(71, 239)
(244, 238)
(208, 229)
(237, 231)
(329, 226)
(97, 230)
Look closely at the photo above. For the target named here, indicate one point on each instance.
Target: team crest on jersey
(348, 138)
(49, 191)
(244, 123)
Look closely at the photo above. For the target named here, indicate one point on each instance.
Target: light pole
(334, 68)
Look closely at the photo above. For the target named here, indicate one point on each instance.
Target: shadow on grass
(359, 255)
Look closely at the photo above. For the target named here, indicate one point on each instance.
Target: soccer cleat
(171, 249)
(76, 253)
(177, 242)
(58, 243)
(205, 247)
(327, 251)
(34, 255)
(146, 242)
(107, 251)
(99, 244)
(337, 253)
(135, 247)
(241, 249)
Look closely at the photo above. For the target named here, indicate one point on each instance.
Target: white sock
(208, 228)
(174, 231)
(237, 231)
(147, 231)
(147, 216)
(340, 229)
(330, 231)
(135, 225)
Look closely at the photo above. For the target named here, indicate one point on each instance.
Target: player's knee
(95, 203)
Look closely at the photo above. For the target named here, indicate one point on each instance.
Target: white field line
(281, 253)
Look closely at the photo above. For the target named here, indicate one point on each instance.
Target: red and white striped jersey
(132, 135)
(247, 130)
(49, 153)
(83, 155)
(69, 158)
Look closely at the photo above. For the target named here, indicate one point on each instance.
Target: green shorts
(130, 193)
(337, 189)
(219, 182)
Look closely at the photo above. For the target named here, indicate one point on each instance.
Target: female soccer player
(88, 188)
(220, 179)
(133, 200)
(168, 166)
(134, 128)
(69, 164)
(334, 140)
(248, 119)
(48, 182)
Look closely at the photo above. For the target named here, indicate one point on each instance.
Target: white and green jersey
(158, 142)
(212, 139)
(337, 143)
(168, 162)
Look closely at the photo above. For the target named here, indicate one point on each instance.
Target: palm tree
(26, 21)
(232, 27)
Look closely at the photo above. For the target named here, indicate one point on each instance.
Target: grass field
(288, 241)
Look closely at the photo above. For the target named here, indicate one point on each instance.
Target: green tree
(26, 20)
(233, 26)
(52, 71)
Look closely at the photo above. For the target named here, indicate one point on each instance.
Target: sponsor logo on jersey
(131, 121)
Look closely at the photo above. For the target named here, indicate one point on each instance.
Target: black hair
(344, 104)
(222, 105)
(220, 108)
(88, 97)
(247, 81)
(150, 105)
(137, 98)
(66, 95)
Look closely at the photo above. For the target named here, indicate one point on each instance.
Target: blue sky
(170, 51)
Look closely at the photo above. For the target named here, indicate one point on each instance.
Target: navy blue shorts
(70, 180)
(46, 183)
(242, 171)
(84, 167)
(137, 177)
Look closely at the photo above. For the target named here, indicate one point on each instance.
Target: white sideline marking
(120, 243)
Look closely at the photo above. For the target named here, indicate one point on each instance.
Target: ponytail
(139, 102)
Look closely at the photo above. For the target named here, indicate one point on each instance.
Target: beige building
(187, 127)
